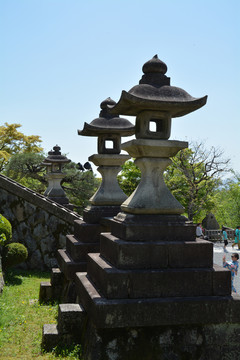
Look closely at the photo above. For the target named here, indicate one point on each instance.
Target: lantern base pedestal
(132, 227)
(171, 342)
(93, 214)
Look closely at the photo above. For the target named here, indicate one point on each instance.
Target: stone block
(68, 266)
(70, 319)
(94, 214)
(221, 281)
(162, 343)
(86, 232)
(78, 250)
(57, 277)
(112, 282)
(115, 283)
(198, 253)
(133, 255)
(117, 313)
(156, 255)
(45, 292)
(146, 230)
(50, 337)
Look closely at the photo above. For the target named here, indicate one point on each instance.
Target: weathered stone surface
(86, 232)
(109, 192)
(50, 337)
(210, 222)
(115, 313)
(206, 342)
(152, 228)
(70, 319)
(45, 292)
(156, 283)
(38, 223)
(156, 254)
(78, 250)
(68, 266)
(93, 214)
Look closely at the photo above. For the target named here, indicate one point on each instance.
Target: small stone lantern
(109, 129)
(54, 164)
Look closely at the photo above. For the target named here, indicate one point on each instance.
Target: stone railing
(216, 235)
(38, 223)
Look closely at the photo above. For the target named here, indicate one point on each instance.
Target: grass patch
(22, 319)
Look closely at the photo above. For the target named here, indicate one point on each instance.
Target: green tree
(13, 142)
(129, 177)
(79, 186)
(26, 169)
(227, 211)
(193, 177)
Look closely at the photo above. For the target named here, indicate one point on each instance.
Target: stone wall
(37, 222)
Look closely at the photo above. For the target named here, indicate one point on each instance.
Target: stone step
(68, 266)
(50, 337)
(88, 233)
(57, 277)
(78, 250)
(118, 313)
(70, 319)
(123, 284)
(45, 292)
(155, 255)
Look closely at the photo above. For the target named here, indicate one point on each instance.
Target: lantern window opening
(109, 144)
(156, 125)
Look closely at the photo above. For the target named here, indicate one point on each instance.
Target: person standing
(225, 238)
(232, 266)
(237, 237)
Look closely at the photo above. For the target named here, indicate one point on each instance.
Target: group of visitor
(236, 238)
(232, 265)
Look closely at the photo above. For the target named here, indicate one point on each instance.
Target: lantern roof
(107, 123)
(154, 92)
(55, 156)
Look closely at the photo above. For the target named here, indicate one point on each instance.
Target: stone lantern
(154, 103)
(109, 129)
(54, 164)
(153, 282)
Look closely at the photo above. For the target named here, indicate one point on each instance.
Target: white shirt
(199, 231)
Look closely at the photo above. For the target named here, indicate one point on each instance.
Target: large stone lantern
(54, 164)
(153, 282)
(154, 103)
(109, 129)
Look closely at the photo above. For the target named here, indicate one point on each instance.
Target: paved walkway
(218, 255)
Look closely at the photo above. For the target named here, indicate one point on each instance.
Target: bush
(14, 254)
(5, 230)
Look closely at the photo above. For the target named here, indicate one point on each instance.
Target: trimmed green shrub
(14, 254)
(5, 231)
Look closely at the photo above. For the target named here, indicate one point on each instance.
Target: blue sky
(61, 58)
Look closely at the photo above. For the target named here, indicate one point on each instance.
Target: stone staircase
(68, 329)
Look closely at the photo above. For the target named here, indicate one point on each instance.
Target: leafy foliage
(13, 142)
(26, 169)
(227, 199)
(5, 230)
(193, 178)
(129, 177)
(13, 254)
(79, 185)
